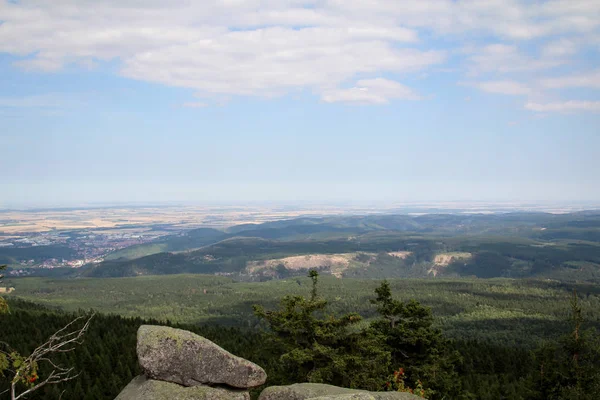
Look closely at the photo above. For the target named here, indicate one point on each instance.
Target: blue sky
(301, 100)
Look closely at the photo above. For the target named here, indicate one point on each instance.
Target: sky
(118, 101)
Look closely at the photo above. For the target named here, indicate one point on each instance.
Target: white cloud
(272, 47)
(505, 58)
(273, 61)
(502, 87)
(560, 48)
(583, 80)
(511, 19)
(242, 47)
(567, 106)
(194, 105)
(371, 91)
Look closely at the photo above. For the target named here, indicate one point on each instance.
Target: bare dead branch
(62, 341)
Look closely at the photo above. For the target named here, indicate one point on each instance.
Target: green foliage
(494, 365)
(190, 240)
(316, 347)
(4, 364)
(569, 369)
(321, 348)
(13, 255)
(24, 371)
(3, 304)
(106, 360)
(505, 245)
(415, 345)
(396, 383)
(507, 312)
(4, 361)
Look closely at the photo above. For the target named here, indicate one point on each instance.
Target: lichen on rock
(182, 357)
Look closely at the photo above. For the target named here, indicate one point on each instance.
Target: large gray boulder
(314, 391)
(178, 356)
(141, 388)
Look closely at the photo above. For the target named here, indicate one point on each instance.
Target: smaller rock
(357, 396)
(301, 391)
(141, 388)
(178, 356)
(314, 391)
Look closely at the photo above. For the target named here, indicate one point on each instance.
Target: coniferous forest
(447, 307)
(299, 339)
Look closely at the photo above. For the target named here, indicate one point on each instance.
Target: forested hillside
(564, 247)
(498, 287)
(106, 361)
(483, 369)
(505, 311)
(513, 245)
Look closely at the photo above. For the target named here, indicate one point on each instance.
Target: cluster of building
(72, 250)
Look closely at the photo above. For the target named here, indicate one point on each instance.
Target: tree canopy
(315, 346)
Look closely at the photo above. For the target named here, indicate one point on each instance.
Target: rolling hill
(503, 245)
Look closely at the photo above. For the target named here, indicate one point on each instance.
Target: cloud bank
(350, 51)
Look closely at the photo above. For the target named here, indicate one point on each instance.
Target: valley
(508, 245)
(504, 311)
(498, 285)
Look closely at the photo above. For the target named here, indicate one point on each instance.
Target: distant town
(75, 237)
(76, 248)
(72, 238)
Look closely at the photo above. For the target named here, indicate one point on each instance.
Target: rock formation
(180, 365)
(143, 388)
(178, 356)
(319, 391)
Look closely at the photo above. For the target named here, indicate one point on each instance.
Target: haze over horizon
(299, 101)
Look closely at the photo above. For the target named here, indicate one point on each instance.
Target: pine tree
(317, 347)
(569, 369)
(415, 345)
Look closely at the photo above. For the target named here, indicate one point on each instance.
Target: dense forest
(512, 245)
(474, 306)
(505, 245)
(505, 311)
(467, 368)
